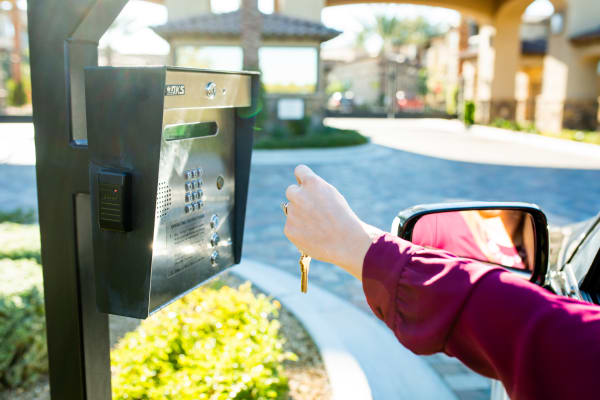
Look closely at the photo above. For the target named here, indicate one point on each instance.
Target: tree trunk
(251, 33)
(15, 56)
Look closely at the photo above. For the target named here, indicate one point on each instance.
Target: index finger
(302, 172)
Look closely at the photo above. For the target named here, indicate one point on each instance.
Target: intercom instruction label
(183, 240)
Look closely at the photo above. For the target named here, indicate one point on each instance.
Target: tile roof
(589, 35)
(228, 24)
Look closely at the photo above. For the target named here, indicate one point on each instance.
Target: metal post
(63, 38)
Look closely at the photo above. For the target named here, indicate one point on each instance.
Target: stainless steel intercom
(170, 156)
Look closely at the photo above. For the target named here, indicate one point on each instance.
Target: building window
(557, 22)
(214, 57)
(289, 69)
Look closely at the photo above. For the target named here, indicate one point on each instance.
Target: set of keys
(304, 261)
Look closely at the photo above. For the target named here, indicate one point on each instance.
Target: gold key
(304, 260)
(304, 267)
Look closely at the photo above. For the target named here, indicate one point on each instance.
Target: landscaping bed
(279, 360)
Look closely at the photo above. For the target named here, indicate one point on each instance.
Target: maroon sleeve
(538, 344)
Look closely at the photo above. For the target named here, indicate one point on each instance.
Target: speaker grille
(163, 199)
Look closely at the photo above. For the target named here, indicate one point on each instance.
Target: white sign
(290, 109)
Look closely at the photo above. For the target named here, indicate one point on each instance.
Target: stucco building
(289, 57)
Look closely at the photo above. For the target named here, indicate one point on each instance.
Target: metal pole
(63, 38)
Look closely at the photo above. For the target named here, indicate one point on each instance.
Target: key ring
(284, 207)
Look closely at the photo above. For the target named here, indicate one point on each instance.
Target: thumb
(303, 173)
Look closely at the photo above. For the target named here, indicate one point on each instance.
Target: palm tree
(251, 31)
(386, 28)
(393, 32)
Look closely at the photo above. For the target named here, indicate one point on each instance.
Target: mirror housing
(406, 220)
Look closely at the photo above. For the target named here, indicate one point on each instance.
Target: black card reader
(113, 192)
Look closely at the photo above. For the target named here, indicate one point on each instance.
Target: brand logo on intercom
(174, 90)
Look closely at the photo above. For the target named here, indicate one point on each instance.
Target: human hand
(321, 223)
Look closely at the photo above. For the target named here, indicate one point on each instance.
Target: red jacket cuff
(380, 274)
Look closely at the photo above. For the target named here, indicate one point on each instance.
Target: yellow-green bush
(212, 344)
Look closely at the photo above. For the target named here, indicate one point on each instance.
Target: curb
(362, 357)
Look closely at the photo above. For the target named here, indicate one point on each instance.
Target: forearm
(358, 243)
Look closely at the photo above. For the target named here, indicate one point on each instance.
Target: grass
(18, 241)
(18, 276)
(577, 136)
(592, 137)
(321, 138)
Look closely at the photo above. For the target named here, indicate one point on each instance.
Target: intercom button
(220, 182)
(199, 194)
(214, 221)
(199, 183)
(188, 197)
(189, 175)
(214, 257)
(188, 186)
(188, 208)
(214, 239)
(199, 172)
(199, 205)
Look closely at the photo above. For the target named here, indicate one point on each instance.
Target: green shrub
(299, 127)
(469, 114)
(23, 353)
(16, 93)
(19, 241)
(212, 344)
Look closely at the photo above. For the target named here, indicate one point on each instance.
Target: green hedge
(322, 137)
(212, 344)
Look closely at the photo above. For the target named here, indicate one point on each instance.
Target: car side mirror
(511, 235)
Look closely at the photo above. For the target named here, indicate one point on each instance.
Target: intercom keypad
(193, 191)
